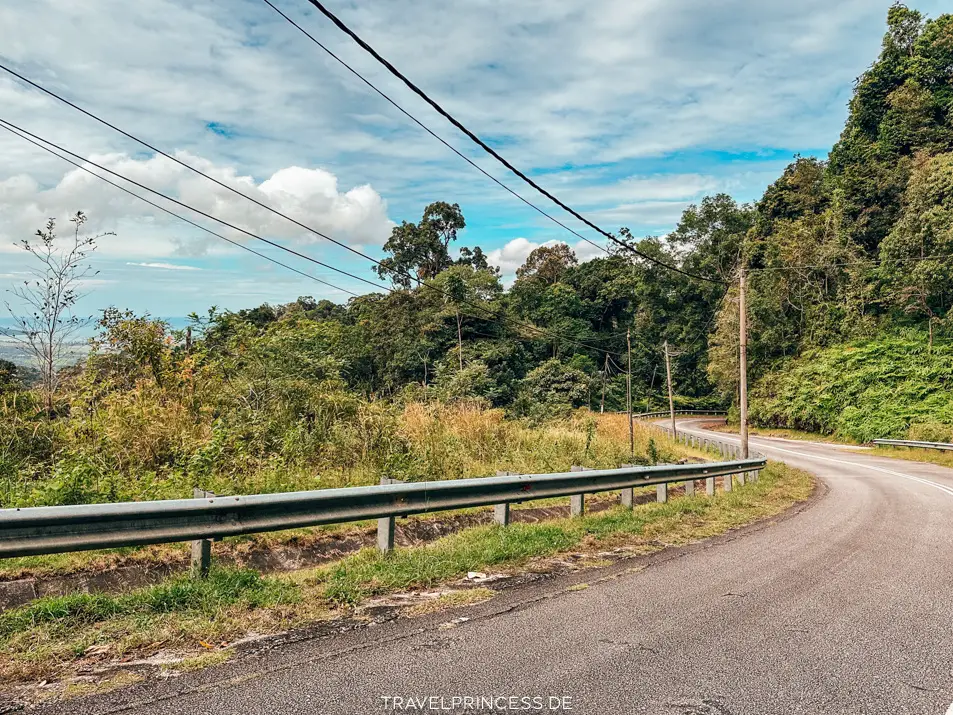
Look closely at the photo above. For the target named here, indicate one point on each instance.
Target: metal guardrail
(57, 529)
(713, 444)
(680, 413)
(913, 443)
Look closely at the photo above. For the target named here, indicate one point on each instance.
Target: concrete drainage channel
(306, 552)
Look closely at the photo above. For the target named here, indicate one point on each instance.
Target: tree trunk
(48, 379)
(460, 338)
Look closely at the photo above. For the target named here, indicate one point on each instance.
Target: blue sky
(629, 110)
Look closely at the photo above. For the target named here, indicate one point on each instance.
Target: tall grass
(141, 447)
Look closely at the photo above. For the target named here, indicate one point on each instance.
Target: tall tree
(916, 263)
(421, 249)
(547, 264)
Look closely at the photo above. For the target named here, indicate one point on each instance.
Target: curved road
(844, 607)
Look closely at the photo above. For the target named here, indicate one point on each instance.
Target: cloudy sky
(628, 110)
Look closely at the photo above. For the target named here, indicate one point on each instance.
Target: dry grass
(450, 442)
(453, 599)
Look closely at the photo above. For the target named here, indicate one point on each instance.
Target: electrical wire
(377, 286)
(3, 125)
(431, 132)
(249, 198)
(492, 152)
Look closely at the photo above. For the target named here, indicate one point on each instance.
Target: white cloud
(513, 255)
(661, 77)
(166, 266)
(310, 195)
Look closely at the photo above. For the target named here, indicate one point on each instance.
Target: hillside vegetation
(891, 387)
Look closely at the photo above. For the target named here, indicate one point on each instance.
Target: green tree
(9, 376)
(464, 291)
(916, 264)
(421, 249)
(553, 387)
(547, 264)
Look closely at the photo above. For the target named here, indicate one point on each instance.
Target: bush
(888, 387)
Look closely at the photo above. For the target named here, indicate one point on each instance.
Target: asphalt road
(843, 607)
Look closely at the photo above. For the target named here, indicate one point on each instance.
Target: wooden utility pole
(605, 373)
(648, 395)
(671, 401)
(628, 391)
(743, 360)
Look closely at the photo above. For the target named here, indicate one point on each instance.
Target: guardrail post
(728, 482)
(501, 512)
(577, 502)
(627, 496)
(201, 548)
(661, 493)
(386, 526)
(710, 486)
(690, 488)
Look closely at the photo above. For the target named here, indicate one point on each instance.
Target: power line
(430, 131)
(376, 286)
(492, 152)
(3, 125)
(249, 198)
(187, 206)
(181, 163)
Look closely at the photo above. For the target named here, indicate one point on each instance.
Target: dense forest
(853, 249)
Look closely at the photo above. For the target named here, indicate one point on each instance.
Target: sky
(628, 110)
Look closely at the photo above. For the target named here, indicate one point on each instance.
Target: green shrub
(883, 388)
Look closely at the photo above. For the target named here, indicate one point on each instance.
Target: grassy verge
(54, 638)
(236, 549)
(932, 456)
(783, 433)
